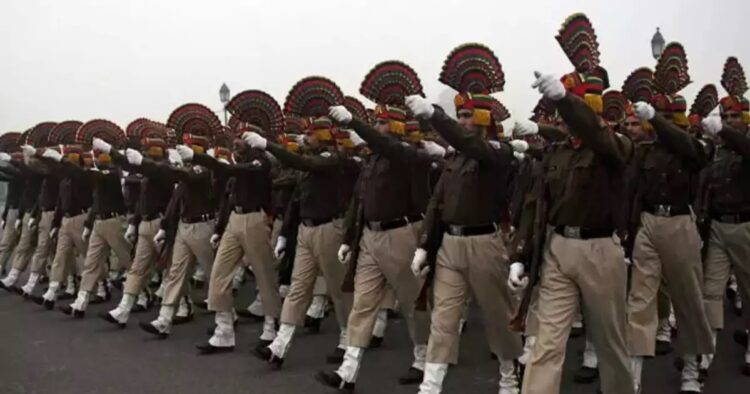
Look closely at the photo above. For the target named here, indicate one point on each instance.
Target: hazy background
(120, 60)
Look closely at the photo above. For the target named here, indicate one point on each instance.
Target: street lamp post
(657, 44)
(224, 97)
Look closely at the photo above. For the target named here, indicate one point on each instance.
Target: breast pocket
(583, 170)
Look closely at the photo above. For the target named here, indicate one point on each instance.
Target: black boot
(149, 328)
(375, 342)
(663, 347)
(265, 354)
(70, 311)
(586, 375)
(211, 349)
(333, 380)
(312, 325)
(412, 376)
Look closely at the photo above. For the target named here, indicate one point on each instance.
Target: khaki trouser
(26, 246)
(532, 318)
(246, 234)
(44, 244)
(69, 241)
(389, 299)
(669, 248)
(593, 269)
(192, 243)
(316, 254)
(146, 255)
(10, 237)
(476, 264)
(728, 246)
(385, 257)
(107, 236)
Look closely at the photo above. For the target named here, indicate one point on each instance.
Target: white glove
(420, 107)
(52, 154)
(519, 146)
(644, 111)
(134, 157)
(280, 248)
(525, 127)
(340, 114)
(433, 149)
(174, 157)
(518, 155)
(418, 266)
(28, 150)
(712, 125)
(516, 279)
(215, 241)
(186, 154)
(549, 86)
(32, 224)
(100, 145)
(86, 233)
(4, 157)
(254, 140)
(52, 233)
(356, 139)
(160, 238)
(628, 262)
(18, 224)
(130, 233)
(344, 253)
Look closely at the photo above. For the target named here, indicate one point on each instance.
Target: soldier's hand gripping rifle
(434, 230)
(355, 225)
(538, 235)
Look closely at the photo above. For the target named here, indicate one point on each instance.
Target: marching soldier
(104, 227)
(583, 259)
(390, 203)
(667, 169)
(468, 206)
(195, 209)
(728, 205)
(42, 220)
(10, 173)
(33, 173)
(245, 233)
(75, 199)
(145, 223)
(320, 211)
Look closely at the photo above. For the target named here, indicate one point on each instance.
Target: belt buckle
(238, 209)
(456, 229)
(663, 210)
(572, 232)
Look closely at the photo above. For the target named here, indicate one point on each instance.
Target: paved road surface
(45, 352)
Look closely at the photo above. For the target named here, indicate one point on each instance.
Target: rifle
(436, 239)
(359, 225)
(435, 233)
(539, 232)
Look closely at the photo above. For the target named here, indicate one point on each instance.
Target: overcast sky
(120, 60)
